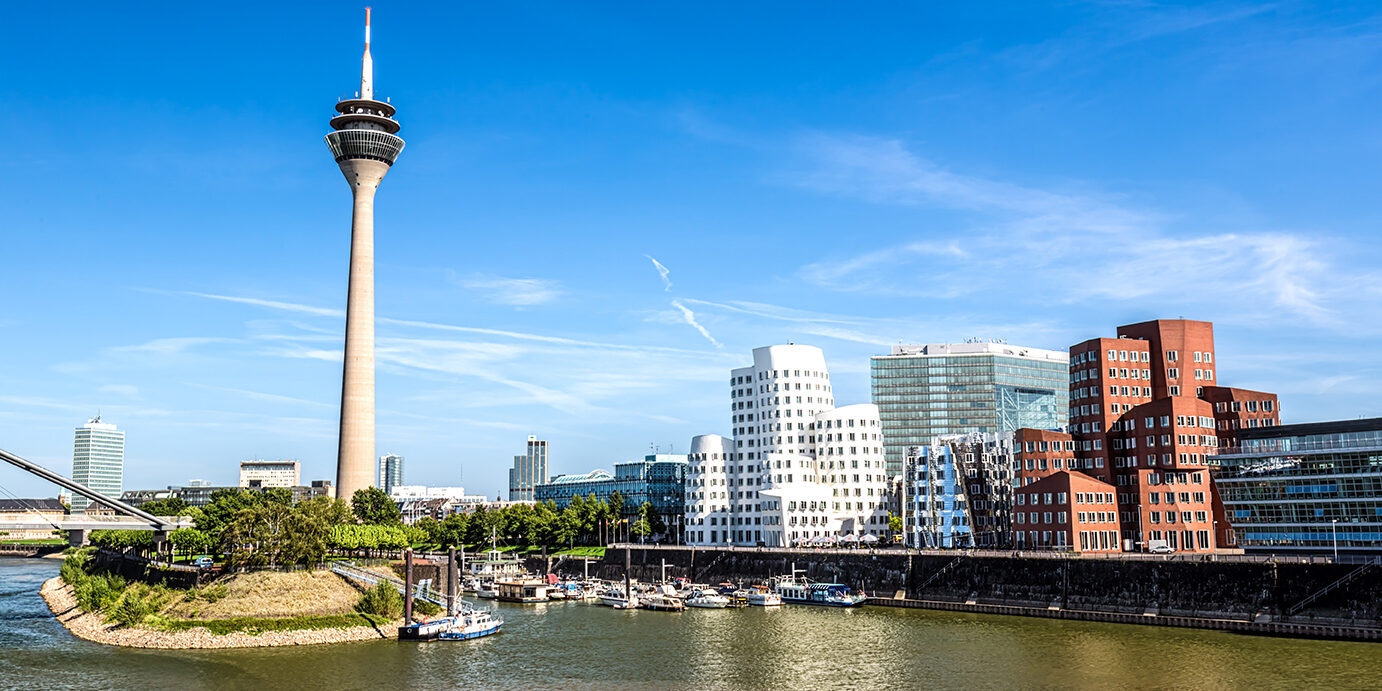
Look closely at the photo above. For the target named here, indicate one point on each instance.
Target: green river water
(584, 646)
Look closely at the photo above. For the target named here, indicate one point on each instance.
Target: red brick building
(1066, 510)
(1147, 415)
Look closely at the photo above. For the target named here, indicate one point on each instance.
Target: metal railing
(421, 590)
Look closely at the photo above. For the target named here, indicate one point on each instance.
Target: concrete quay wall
(1136, 590)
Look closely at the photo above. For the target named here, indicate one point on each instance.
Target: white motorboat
(487, 590)
(707, 599)
(762, 596)
(615, 597)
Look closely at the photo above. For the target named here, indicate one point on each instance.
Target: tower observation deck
(365, 144)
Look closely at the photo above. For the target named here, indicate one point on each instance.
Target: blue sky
(845, 175)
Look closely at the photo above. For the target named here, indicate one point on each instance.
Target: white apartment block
(796, 468)
(261, 473)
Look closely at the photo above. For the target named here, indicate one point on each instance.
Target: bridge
(133, 518)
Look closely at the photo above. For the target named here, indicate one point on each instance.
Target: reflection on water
(584, 646)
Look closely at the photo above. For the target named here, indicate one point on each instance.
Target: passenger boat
(738, 599)
(469, 623)
(762, 596)
(522, 590)
(473, 623)
(794, 590)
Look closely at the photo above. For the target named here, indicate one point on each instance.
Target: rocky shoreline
(93, 627)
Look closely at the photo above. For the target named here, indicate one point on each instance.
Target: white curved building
(797, 467)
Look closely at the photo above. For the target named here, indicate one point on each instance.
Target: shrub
(98, 591)
(382, 600)
(137, 602)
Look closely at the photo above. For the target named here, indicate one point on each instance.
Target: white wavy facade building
(797, 467)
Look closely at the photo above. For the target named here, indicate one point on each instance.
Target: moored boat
(794, 590)
(662, 603)
(762, 596)
(707, 599)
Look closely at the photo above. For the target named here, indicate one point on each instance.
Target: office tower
(529, 471)
(260, 473)
(365, 144)
(390, 472)
(926, 391)
(98, 461)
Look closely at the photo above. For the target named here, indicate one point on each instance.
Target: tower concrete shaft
(365, 145)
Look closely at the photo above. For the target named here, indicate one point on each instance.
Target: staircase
(939, 573)
(421, 591)
(1349, 578)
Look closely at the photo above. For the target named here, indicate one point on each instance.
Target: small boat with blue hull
(470, 623)
(800, 591)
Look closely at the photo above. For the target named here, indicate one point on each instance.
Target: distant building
(98, 460)
(201, 495)
(958, 492)
(926, 391)
(390, 472)
(659, 479)
(30, 510)
(1305, 488)
(1067, 511)
(529, 470)
(260, 474)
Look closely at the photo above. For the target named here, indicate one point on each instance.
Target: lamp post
(1335, 524)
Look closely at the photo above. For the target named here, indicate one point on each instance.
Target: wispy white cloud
(124, 390)
(274, 304)
(516, 292)
(662, 271)
(690, 318)
(168, 346)
(1019, 241)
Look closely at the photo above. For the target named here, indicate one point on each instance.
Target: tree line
(266, 528)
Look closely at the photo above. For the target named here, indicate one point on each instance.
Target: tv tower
(365, 143)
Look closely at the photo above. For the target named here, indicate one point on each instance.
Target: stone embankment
(93, 627)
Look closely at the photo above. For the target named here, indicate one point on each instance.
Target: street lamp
(1335, 523)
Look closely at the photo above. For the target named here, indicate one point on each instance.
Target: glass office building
(659, 479)
(1305, 488)
(926, 391)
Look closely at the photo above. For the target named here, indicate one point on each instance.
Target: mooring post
(628, 565)
(451, 582)
(407, 587)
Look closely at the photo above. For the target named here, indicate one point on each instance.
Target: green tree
(191, 541)
(172, 506)
(451, 531)
(372, 506)
(224, 506)
(279, 495)
(895, 524)
(270, 533)
(330, 511)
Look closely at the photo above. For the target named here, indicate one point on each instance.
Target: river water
(584, 646)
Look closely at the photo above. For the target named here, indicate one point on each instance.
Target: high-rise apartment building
(1147, 417)
(390, 472)
(797, 468)
(926, 391)
(529, 471)
(260, 473)
(98, 461)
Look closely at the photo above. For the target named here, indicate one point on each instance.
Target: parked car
(1159, 547)
(203, 562)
